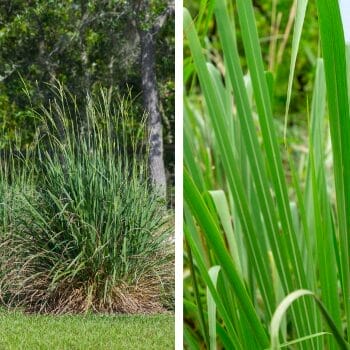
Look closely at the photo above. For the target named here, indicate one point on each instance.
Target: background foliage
(309, 50)
(84, 45)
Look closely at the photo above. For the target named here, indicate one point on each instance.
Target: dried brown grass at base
(22, 286)
(75, 298)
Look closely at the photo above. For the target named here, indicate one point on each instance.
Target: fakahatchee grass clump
(89, 233)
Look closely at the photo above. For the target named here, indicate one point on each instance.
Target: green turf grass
(39, 332)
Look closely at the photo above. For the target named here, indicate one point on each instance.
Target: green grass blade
(282, 309)
(197, 297)
(277, 241)
(214, 274)
(334, 56)
(302, 339)
(261, 92)
(190, 339)
(321, 215)
(189, 158)
(298, 27)
(227, 319)
(225, 218)
(218, 118)
(207, 223)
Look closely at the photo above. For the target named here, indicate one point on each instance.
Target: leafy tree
(150, 17)
(85, 45)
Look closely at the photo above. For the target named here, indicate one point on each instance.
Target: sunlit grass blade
(283, 307)
(302, 339)
(298, 26)
(225, 218)
(214, 274)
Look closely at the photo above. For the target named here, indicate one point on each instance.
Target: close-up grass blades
(266, 214)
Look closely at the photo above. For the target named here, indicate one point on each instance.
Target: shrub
(92, 235)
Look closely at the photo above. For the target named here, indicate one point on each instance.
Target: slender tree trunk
(151, 105)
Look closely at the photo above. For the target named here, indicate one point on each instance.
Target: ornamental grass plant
(83, 230)
(266, 232)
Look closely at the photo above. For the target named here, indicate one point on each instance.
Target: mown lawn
(39, 332)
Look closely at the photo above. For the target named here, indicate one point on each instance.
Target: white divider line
(345, 13)
(178, 175)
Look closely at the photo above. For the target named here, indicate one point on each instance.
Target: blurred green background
(275, 21)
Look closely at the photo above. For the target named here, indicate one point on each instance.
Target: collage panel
(87, 174)
(266, 174)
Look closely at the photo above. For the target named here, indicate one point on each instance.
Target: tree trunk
(151, 105)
